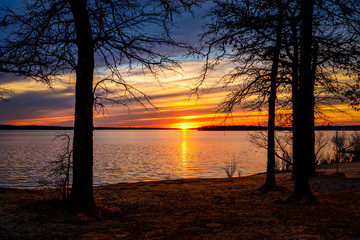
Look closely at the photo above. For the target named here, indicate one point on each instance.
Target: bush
(230, 168)
(59, 171)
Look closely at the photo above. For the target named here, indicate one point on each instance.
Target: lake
(132, 155)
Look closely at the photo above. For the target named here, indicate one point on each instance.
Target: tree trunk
(295, 84)
(303, 145)
(315, 53)
(270, 183)
(82, 189)
(295, 88)
(270, 171)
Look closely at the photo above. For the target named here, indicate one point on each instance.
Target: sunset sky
(34, 103)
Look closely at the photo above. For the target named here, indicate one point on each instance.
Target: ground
(192, 209)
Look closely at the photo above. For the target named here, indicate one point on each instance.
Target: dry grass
(190, 209)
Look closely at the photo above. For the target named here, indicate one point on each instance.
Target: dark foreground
(190, 209)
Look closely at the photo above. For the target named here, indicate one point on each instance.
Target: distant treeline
(257, 128)
(33, 127)
(131, 128)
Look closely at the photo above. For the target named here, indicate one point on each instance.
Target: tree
(315, 49)
(327, 48)
(303, 117)
(249, 34)
(270, 171)
(54, 37)
(4, 94)
(347, 13)
(339, 141)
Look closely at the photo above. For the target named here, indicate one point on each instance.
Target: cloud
(36, 105)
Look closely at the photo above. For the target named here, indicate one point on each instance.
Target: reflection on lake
(133, 155)
(184, 149)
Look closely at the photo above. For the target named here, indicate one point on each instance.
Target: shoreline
(144, 181)
(201, 208)
(322, 169)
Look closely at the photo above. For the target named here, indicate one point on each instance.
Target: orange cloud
(170, 94)
(43, 121)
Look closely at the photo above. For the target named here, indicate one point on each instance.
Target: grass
(190, 209)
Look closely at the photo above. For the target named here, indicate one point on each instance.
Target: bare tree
(270, 183)
(340, 144)
(230, 168)
(5, 94)
(327, 49)
(283, 143)
(320, 144)
(61, 168)
(49, 38)
(316, 48)
(249, 34)
(355, 146)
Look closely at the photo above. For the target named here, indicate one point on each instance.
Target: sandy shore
(192, 209)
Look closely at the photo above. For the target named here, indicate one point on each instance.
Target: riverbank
(192, 209)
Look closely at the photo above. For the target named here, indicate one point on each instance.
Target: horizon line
(208, 127)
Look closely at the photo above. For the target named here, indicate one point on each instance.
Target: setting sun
(186, 125)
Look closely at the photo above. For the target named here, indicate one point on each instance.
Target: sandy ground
(192, 209)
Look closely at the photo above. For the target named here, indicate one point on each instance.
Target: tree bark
(82, 188)
(303, 145)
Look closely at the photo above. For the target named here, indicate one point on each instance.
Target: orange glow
(43, 121)
(175, 109)
(185, 125)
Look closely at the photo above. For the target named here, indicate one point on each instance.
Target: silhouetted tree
(303, 129)
(327, 49)
(270, 173)
(346, 13)
(315, 50)
(340, 144)
(49, 38)
(249, 33)
(4, 94)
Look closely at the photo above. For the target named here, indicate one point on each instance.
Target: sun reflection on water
(184, 149)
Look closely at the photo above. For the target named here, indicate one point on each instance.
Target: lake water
(132, 155)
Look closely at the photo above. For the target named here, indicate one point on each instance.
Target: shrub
(230, 168)
(59, 170)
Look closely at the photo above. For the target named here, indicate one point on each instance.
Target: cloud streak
(37, 104)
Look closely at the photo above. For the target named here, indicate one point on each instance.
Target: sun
(185, 125)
